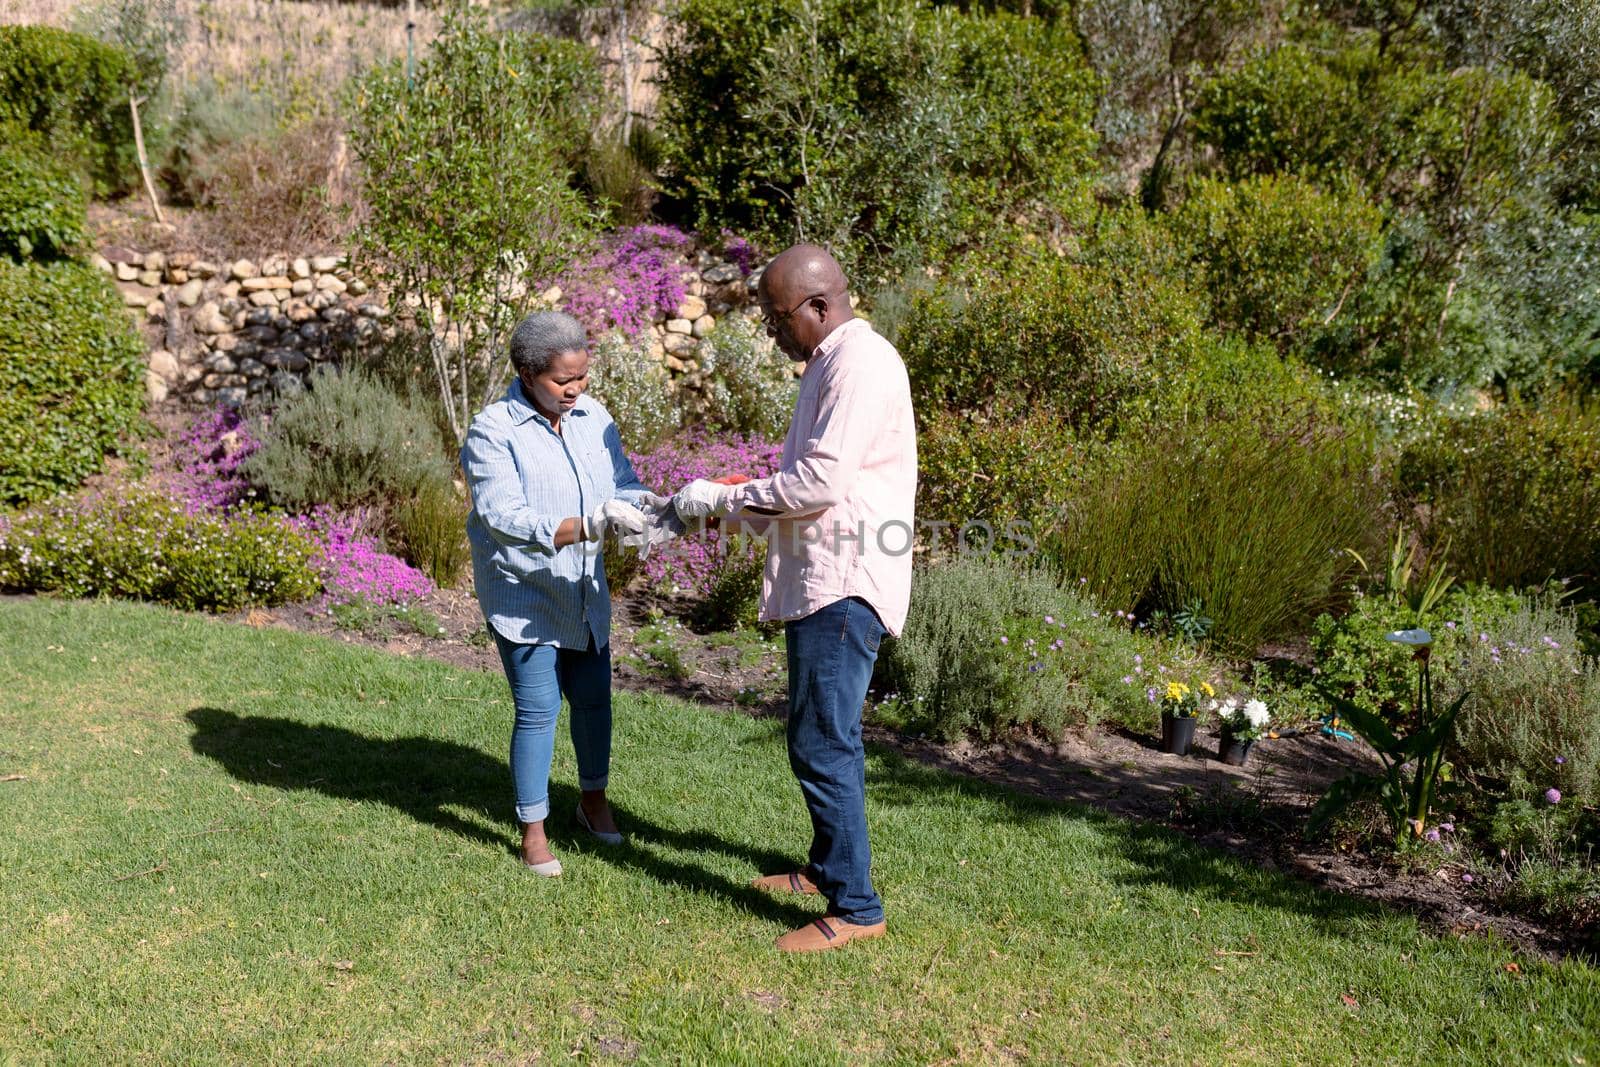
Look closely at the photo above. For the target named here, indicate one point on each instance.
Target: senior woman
(549, 480)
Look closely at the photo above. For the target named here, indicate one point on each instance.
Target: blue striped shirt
(525, 479)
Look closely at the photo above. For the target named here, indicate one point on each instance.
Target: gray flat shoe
(548, 869)
(605, 837)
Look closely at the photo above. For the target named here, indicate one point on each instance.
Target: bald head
(800, 270)
(804, 297)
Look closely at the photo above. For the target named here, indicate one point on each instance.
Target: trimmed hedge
(41, 200)
(72, 90)
(71, 376)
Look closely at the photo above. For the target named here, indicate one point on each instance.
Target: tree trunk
(144, 164)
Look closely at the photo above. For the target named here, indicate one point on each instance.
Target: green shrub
(732, 601)
(1240, 521)
(72, 90)
(143, 545)
(1355, 662)
(71, 376)
(894, 131)
(1534, 715)
(1046, 334)
(1278, 255)
(41, 200)
(636, 391)
(345, 442)
(1513, 493)
(749, 384)
(1010, 466)
(432, 524)
(1061, 662)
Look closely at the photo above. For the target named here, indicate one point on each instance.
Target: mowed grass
(239, 845)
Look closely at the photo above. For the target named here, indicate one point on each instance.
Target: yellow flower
(1205, 687)
(1176, 690)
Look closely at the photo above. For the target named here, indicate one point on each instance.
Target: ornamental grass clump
(141, 544)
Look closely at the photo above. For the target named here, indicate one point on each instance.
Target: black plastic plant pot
(1177, 733)
(1233, 751)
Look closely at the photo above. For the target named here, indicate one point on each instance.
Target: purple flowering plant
(632, 277)
(692, 562)
(352, 566)
(209, 456)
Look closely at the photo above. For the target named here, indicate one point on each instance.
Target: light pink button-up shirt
(845, 491)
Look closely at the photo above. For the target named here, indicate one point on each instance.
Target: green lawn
(249, 845)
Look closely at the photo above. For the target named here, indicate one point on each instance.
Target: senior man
(838, 520)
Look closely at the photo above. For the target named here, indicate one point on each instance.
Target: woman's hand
(615, 517)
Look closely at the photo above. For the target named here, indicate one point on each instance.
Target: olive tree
(467, 168)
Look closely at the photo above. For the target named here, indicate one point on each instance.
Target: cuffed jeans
(540, 675)
(830, 658)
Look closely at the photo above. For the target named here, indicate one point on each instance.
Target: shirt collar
(522, 409)
(842, 333)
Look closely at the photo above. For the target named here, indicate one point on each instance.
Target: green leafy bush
(468, 170)
(1010, 466)
(636, 391)
(71, 376)
(143, 545)
(41, 200)
(1278, 255)
(1356, 663)
(732, 601)
(345, 442)
(1242, 521)
(989, 646)
(893, 131)
(1046, 334)
(749, 384)
(1513, 493)
(1534, 715)
(72, 90)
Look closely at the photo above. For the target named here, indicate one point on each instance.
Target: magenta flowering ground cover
(631, 277)
(691, 563)
(352, 567)
(209, 455)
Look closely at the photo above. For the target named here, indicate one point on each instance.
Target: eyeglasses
(773, 323)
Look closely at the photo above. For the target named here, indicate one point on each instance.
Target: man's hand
(701, 499)
(613, 517)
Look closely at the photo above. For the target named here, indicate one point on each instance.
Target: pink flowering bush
(692, 563)
(631, 278)
(352, 567)
(209, 455)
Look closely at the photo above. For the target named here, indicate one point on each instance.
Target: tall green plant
(1412, 760)
(468, 173)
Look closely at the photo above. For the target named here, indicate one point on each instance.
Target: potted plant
(1180, 704)
(1241, 725)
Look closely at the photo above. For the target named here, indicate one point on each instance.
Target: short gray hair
(542, 336)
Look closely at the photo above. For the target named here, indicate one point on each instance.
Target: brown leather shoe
(830, 931)
(793, 882)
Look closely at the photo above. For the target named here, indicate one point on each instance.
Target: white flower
(1418, 638)
(1255, 712)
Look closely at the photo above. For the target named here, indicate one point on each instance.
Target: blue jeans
(830, 654)
(540, 675)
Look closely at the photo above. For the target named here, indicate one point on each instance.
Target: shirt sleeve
(829, 458)
(624, 480)
(497, 495)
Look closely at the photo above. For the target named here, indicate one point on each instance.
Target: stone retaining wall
(221, 333)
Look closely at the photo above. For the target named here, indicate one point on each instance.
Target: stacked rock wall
(222, 333)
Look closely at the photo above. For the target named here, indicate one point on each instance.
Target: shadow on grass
(1155, 855)
(425, 777)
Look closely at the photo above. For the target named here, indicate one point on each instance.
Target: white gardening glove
(701, 499)
(663, 525)
(615, 516)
